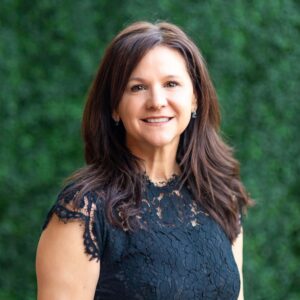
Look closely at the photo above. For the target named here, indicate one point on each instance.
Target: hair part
(206, 162)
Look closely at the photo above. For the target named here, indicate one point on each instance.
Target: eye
(171, 84)
(137, 88)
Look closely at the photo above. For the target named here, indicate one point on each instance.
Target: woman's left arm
(237, 249)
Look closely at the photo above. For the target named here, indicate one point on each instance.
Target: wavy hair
(206, 162)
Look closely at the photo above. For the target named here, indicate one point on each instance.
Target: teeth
(157, 120)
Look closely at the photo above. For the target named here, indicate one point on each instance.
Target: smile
(157, 120)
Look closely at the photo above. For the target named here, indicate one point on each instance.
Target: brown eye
(171, 84)
(137, 88)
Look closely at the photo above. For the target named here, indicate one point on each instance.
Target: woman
(155, 214)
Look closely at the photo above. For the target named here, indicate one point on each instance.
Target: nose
(157, 98)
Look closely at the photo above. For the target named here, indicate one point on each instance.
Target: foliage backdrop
(49, 52)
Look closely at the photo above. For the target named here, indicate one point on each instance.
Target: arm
(237, 249)
(63, 269)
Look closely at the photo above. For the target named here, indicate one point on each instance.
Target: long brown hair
(206, 162)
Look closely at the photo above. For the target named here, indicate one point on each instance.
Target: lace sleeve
(88, 211)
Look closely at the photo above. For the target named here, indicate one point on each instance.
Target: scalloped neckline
(164, 183)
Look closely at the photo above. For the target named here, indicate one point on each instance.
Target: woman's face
(158, 100)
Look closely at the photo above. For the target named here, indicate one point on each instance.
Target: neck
(158, 170)
(159, 164)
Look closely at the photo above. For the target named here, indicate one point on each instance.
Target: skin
(63, 270)
(159, 89)
(237, 250)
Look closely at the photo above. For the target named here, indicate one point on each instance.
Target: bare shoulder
(64, 270)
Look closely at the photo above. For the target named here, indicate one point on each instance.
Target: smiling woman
(155, 213)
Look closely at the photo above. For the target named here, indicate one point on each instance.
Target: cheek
(187, 117)
(129, 107)
(129, 115)
(184, 107)
(124, 111)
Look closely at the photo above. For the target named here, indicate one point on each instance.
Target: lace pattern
(86, 212)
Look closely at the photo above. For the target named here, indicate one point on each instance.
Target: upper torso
(178, 251)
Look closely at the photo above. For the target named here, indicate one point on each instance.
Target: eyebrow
(142, 79)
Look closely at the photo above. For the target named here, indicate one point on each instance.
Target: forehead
(161, 60)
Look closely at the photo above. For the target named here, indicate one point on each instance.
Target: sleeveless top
(177, 252)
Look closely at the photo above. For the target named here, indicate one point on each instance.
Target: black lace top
(178, 252)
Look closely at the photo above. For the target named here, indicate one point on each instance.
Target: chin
(160, 143)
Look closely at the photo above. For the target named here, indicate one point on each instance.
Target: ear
(194, 104)
(115, 116)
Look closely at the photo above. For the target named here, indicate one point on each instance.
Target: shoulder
(78, 195)
(74, 201)
(60, 246)
(71, 245)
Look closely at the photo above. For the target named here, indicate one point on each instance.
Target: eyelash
(139, 87)
(171, 84)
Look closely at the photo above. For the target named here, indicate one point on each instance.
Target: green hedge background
(49, 53)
